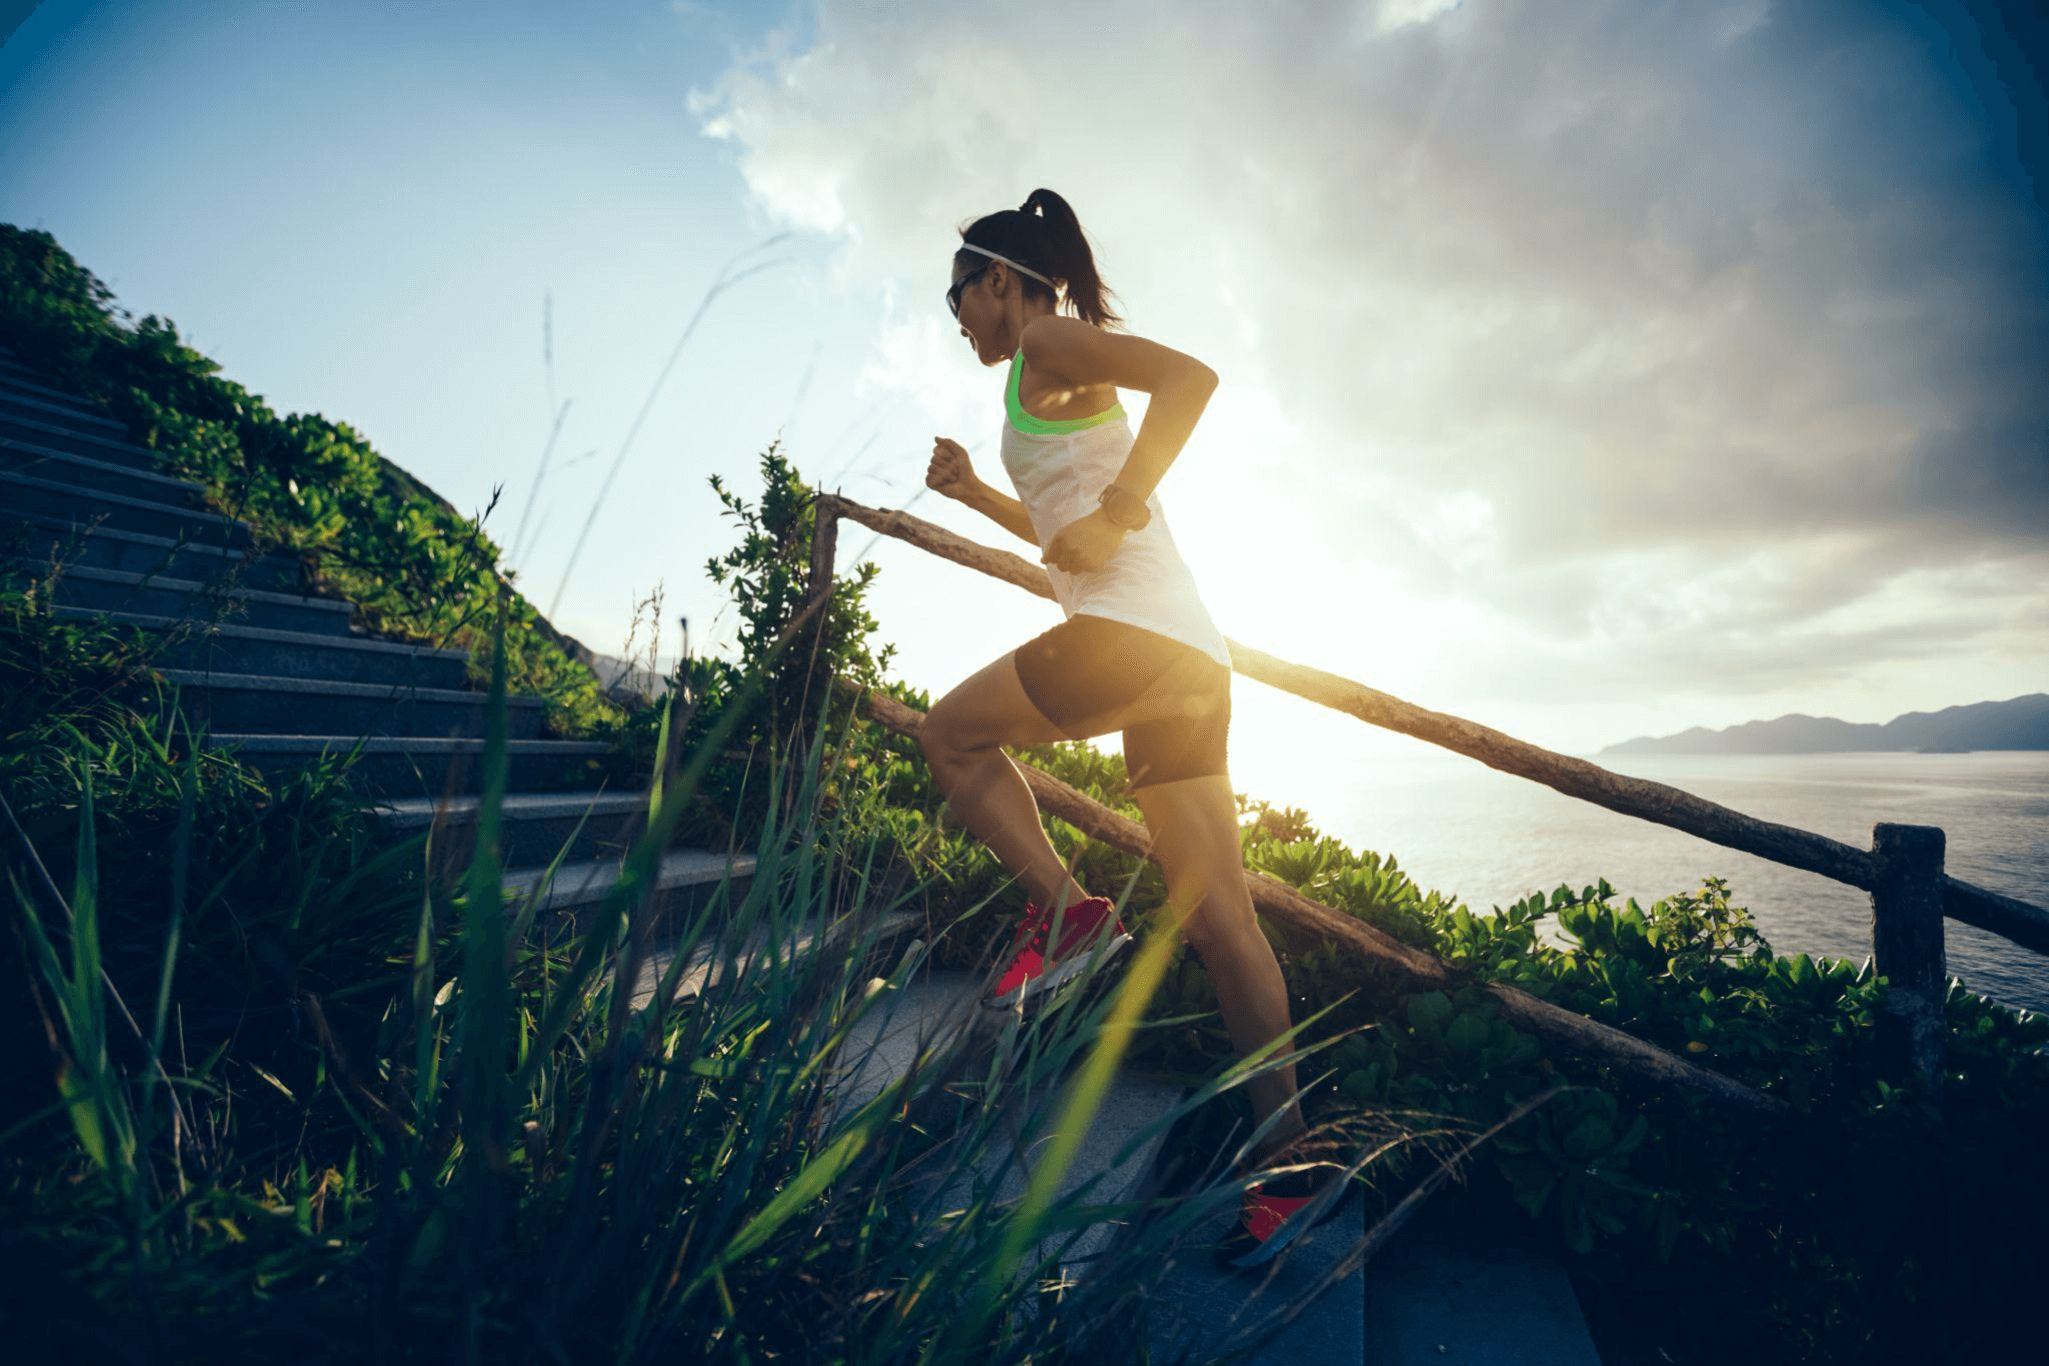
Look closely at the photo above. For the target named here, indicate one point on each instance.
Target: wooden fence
(1910, 893)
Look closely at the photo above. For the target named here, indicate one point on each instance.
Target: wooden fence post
(818, 593)
(1906, 949)
(824, 544)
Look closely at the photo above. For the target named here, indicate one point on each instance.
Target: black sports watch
(1124, 508)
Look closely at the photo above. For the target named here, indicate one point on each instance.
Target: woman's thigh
(1090, 676)
(1184, 734)
(988, 708)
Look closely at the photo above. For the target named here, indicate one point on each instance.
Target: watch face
(1123, 509)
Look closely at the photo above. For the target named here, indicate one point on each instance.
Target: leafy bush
(275, 889)
(768, 575)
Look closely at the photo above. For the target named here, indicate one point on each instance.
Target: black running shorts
(1087, 669)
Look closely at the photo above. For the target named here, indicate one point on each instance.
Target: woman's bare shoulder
(1080, 353)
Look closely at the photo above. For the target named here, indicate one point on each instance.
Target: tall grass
(544, 1163)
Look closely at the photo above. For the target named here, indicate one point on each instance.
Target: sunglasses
(953, 294)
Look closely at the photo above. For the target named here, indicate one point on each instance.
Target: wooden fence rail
(1902, 870)
(1392, 967)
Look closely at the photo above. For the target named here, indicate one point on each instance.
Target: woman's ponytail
(1045, 236)
(1067, 247)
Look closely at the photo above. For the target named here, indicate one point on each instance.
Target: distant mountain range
(2017, 723)
(617, 675)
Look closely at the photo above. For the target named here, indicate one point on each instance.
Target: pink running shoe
(1032, 969)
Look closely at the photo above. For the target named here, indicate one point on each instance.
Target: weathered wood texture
(2024, 924)
(999, 564)
(1906, 949)
(1392, 967)
(824, 545)
(2007, 916)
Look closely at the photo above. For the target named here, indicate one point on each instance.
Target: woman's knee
(1218, 924)
(948, 733)
(937, 735)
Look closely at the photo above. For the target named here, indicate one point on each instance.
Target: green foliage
(767, 574)
(535, 1165)
(285, 888)
(1810, 1225)
(362, 528)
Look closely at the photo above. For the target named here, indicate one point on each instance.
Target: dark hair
(1051, 242)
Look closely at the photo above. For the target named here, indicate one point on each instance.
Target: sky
(1589, 369)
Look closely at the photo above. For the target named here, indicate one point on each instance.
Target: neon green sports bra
(1025, 422)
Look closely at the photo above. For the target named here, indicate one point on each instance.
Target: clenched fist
(950, 473)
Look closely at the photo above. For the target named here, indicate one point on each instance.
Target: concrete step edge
(122, 445)
(577, 884)
(142, 538)
(123, 500)
(403, 744)
(144, 457)
(409, 813)
(31, 394)
(45, 453)
(134, 579)
(706, 957)
(306, 639)
(326, 687)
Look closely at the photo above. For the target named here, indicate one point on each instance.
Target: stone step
(117, 590)
(533, 826)
(40, 401)
(260, 704)
(72, 481)
(78, 506)
(711, 963)
(409, 765)
(11, 365)
(54, 437)
(1455, 1281)
(938, 1013)
(295, 654)
(13, 360)
(45, 538)
(1116, 1154)
(35, 453)
(687, 880)
(1458, 1283)
(919, 1024)
(48, 431)
(1197, 1308)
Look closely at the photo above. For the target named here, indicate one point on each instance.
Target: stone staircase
(281, 676)
(1453, 1285)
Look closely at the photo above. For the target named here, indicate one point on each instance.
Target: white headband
(970, 246)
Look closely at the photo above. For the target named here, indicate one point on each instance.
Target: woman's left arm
(1180, 386)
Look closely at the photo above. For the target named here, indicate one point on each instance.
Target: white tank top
(1058, 474)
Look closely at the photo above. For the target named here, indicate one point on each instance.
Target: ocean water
(1490, 839)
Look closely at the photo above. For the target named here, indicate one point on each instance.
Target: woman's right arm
(1003, 510)
(951, 474)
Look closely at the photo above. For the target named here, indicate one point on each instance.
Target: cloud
(1614, 319)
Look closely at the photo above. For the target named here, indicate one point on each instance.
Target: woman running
(1137, 653)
